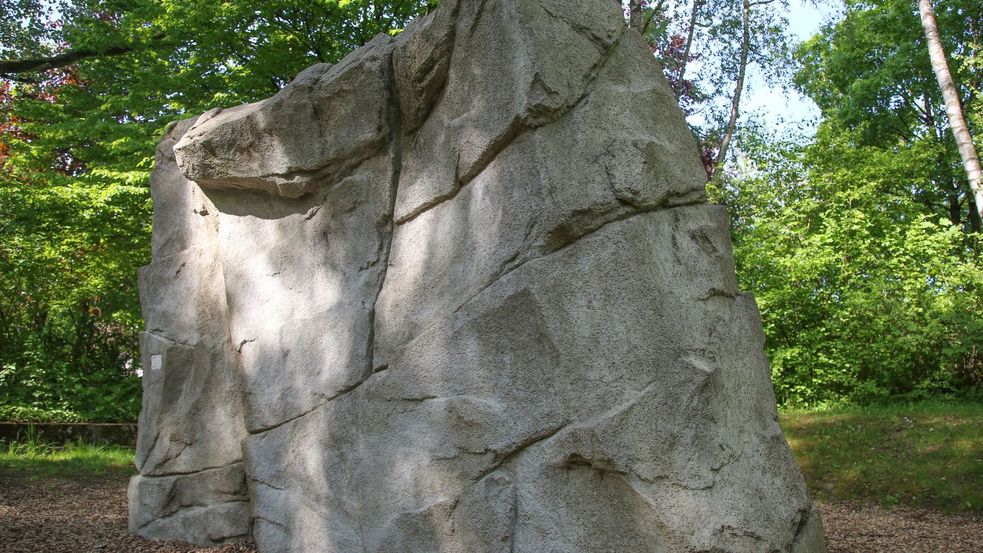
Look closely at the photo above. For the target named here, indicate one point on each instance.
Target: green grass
(33, 458)
(926, 455)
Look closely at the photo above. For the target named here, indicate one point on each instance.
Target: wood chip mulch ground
(854, 528)
(83, 516)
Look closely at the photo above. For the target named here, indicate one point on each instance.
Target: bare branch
(9, 68)
(13, 67)
(738, 91)
(681, 72)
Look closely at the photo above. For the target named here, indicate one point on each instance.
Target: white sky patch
(781, 109)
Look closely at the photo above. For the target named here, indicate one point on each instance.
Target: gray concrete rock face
(192, 482)
(460, 292)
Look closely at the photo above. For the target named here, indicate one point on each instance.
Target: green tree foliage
(870, 74)
(860, 244)
(86, 87)
(865, 294)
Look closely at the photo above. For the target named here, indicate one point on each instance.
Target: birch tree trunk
(735, 103)
(953, 107)
(636, 16)
(691, 32)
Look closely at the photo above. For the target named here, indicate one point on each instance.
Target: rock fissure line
(718, 293)
(193, 472)
(551, 252)
(141, 460)
(576, 460)
(585, 31)
(171, 457)
(326, 399)
(477, 16)
(264, 429)
(515, 130)
(266, 484)
(514, 530)
(243, 343)
(506, 457)
(396, 159)
(554, 245)
(804, 516)
(182, 511)
(333, 170)
(272, 522)
(396, 118)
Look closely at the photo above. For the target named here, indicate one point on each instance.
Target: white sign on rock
(460, 292)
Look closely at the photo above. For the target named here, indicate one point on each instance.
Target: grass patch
(33, 458)
(927, 455)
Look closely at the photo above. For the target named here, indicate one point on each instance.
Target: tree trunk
(12, 67)
(681, 73)
(636, 17)
(975, 219)
(953, 107)
(735, 104)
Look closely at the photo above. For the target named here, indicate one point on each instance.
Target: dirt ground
(871, 529)
(90, 516)
(75, 516)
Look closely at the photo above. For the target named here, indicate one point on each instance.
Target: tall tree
(735, 103)
(726, 37)
(953, 106)
(871, 77)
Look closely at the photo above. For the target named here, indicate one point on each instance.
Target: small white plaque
(155, 362)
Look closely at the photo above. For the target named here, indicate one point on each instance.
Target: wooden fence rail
(61, 433)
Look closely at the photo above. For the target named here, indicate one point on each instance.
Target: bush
(865, 294)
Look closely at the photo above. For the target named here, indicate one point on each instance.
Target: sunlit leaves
(864, 292)
(871, 77)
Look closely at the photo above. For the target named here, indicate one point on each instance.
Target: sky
(779, 108)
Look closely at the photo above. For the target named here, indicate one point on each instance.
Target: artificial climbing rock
(461, 292)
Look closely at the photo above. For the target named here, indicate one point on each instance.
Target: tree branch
(738, 90)
(681, 72)
(657, 9)
(13, 67)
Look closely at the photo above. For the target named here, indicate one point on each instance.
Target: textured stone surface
(460, 292)
(189, 452)
(326, 121)
(206, 507)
